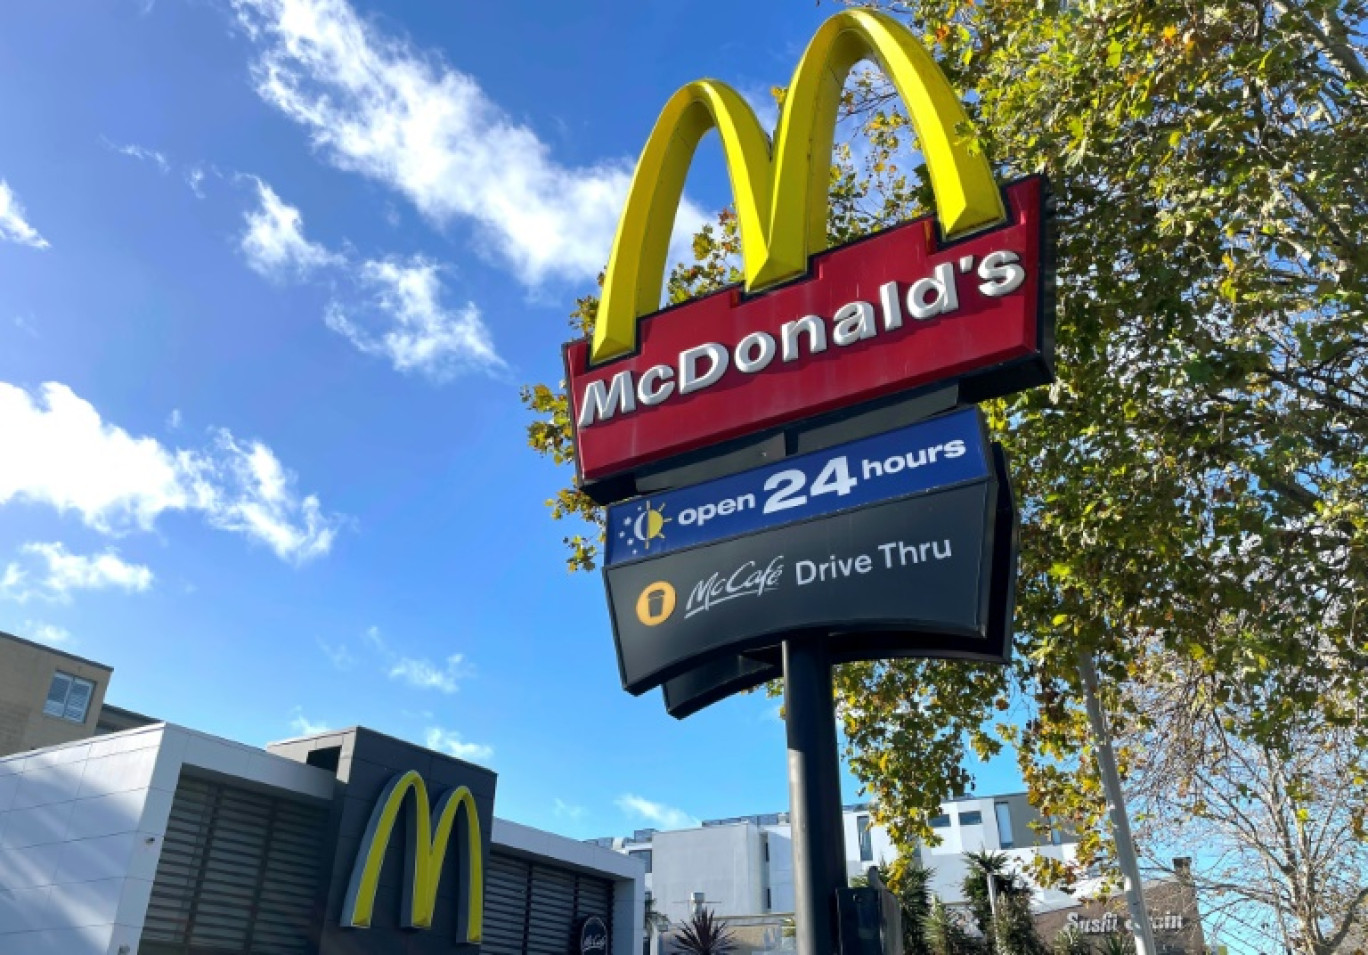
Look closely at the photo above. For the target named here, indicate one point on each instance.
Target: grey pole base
(814, 770)
(1116, 805)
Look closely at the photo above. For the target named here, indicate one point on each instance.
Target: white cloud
(409, 325)
(374, 638)
(274, 242)
(418, 672)
(67, 571)
(14, 583)
(761, 100)
(194, 178)
(59, 452)
(303, 726)
(142, 154)
(423, 675)
(400, 316)
(46, 633)
(565, 810)
(449, 741)
(656, 813)
(52, 573)
(13, 226)
(338, 655)
(245, 489)
(377, 106)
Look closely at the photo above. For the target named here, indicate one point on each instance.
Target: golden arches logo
(428, 834)
(781, 188)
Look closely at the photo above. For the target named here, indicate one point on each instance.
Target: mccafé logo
(961, 297)
(593, 936)
(428, 835)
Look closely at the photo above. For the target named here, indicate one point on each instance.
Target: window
(769, 899)
(765, 843)
(866, 841)
(940, 822)
(643, 855)
(69, 697)
(1003, 812)
(971, 818)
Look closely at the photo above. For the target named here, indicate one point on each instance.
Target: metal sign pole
(814, 770)
(1116, 804)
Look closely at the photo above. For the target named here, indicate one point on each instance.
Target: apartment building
(742, 867)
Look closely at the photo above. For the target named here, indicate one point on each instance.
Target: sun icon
(650, 524)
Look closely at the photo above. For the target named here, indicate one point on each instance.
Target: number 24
(834, 478)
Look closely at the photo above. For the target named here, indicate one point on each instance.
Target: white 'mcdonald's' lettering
(935, 296)
(601, 403)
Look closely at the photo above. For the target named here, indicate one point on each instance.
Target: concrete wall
(722, 862)
(725, 863)
(882, 845)
(81, 829)
(26, 671)
(947, 860)
(780, 875)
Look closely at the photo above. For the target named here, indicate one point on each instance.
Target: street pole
(814, 770)
(1116, 806)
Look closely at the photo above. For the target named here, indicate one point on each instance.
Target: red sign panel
(883, 315)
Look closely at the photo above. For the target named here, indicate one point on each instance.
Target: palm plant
(912, 885)
(1070, 941)
(1117, 944)
(945, 935)
(1010, 930)
(705, 934)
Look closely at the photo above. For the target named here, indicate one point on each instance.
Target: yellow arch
(781, 192)
(426, 851)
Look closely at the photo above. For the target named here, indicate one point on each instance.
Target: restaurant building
(162, 840)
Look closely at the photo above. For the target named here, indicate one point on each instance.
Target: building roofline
(61, 653)
(125, 711)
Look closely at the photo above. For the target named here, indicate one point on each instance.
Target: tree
(1208, 428)
(1194, 485)
(705, 934)
(1280, 819)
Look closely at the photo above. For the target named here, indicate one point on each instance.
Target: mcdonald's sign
(963, 296)
(429, 832)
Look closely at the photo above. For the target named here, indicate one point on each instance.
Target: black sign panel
(720, 677)
(915, 574)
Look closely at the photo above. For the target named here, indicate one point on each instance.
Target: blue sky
(271, 273)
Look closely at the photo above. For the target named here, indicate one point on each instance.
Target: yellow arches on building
(429, 832)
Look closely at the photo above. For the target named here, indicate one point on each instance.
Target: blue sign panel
(925, 456)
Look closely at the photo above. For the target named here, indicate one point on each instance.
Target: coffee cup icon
(656, 603)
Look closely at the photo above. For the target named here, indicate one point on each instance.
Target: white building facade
(742, 867)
